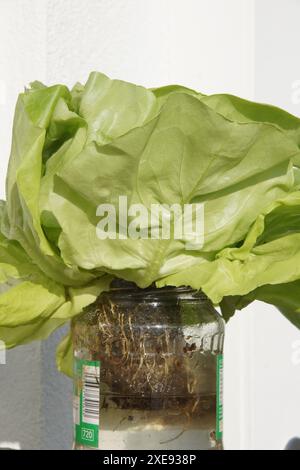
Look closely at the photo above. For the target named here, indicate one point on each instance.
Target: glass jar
(148, 370)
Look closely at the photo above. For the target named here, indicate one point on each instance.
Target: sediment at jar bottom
(173, 423)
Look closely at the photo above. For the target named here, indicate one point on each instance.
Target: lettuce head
(74, 150)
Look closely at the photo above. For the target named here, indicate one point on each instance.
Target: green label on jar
(87, 402)
(219, 411)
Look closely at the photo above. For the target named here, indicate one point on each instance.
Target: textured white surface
(274, 370)
(204, 44)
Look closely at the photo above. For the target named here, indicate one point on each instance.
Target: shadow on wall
(36, 400)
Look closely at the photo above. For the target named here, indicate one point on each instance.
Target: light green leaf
(238, 109)
(240, 270)
(64, 355)
(189, 153)
(113, 107)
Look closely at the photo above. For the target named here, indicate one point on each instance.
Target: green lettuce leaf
(286, 297)
(238, 109)
(64, 355)
(32, 305)
(197, 154)
(265, 267)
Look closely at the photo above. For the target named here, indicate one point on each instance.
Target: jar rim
(120, 286)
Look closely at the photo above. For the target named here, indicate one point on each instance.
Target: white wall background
(206, 44)
(274, 352)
